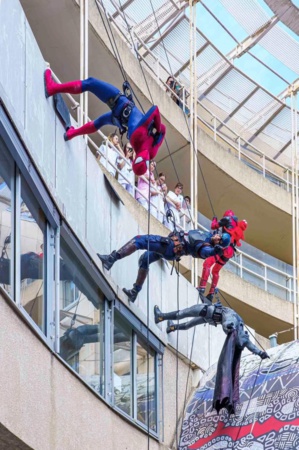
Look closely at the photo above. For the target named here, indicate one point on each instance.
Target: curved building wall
(48, 410)
(101, 223)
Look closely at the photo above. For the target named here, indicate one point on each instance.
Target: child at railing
(125, 169)
(108, 154)
(145, 184)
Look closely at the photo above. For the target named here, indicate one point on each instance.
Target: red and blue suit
(212, 265)
(145, 131)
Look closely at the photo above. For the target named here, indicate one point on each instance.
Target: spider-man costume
(145, 131)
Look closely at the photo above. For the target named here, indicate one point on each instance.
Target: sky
(214, 32)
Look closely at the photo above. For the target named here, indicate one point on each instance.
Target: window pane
(32, 243)
(6, 179)
(122, 366)
(146, 385)
(82, 333)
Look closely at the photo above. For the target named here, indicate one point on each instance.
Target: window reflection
(134, 374)
(32, 243)
(146, 385)
(6, 179)
(122, 367)
(81, 320)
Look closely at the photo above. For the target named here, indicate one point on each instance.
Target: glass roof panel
(283, 47)
(139, 10)
(260, 74)
(254, 66)
(248, 13)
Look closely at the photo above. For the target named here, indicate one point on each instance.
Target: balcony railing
(265, 276)
(246, 152)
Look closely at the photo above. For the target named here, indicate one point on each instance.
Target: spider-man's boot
(51, 87)
(137, 286)
(72, 132)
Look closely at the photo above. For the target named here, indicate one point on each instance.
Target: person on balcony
(145, 131)
(108, 154)
(173, 202)
(177, 244)
(126, 176)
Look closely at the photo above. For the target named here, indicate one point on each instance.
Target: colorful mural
(267, 416)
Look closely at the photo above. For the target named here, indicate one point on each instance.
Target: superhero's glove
(224, 222)
(263, 355)
(218, 250)
(214, 223)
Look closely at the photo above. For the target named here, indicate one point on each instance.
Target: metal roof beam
(163, 35)
(240, 105)
(252, 40)
(284, 148)
(121, 8)
(269, 120)
(149, 27)
(185, 65)
(215, 82)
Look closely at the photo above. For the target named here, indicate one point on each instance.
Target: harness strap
(178, 246)
(217, 315)
(113, 100)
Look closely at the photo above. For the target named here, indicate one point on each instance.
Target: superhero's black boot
(126, 250)
(159, 316)
(171, 327)
(211, 293)
(210, 297)
(137, 286)
(108, 260)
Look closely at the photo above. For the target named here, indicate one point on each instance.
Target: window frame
(138, 329)
(56, 227)
(23, 165)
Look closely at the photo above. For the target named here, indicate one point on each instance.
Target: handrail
(240, 254)
(266, 158)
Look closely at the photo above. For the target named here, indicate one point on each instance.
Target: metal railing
(249, 268)
(246, 152)
(244, 265)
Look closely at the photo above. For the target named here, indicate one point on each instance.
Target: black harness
(121, 120)
(217, 314)
(179, 242)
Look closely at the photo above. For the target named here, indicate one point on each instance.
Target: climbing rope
(207, 191)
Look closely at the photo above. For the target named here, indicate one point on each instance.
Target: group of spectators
(152, 191)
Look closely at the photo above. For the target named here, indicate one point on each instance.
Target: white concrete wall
(41, 389)
(49, 408)
(76, 181)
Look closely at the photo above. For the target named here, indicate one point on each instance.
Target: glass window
(82, 325)
(122, 366)
(134, 374)
(32, 247)
(146, 385)
(6, 214)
